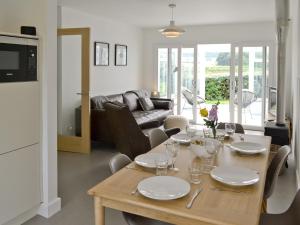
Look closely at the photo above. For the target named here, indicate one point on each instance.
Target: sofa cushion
(131, 100)
(98, 101)
(146, 104)
(116, 98)
(143, 117)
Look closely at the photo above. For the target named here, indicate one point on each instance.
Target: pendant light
(172, 31)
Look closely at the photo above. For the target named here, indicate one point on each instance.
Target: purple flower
(213, 113)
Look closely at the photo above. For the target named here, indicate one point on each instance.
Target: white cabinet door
(19, 182)
(19, 115)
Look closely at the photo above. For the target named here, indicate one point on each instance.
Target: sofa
(146, 119)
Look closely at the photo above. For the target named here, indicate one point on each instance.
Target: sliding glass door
(176, 78)
(200, 76)
(249, 70)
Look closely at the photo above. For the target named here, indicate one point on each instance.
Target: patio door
(249, 69)
(176, 70)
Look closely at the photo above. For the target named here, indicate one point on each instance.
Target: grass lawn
(223, 102)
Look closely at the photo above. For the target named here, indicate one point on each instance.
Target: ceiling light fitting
(172, 31)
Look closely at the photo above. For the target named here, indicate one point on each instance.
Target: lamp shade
(172, 31)
(155, 94)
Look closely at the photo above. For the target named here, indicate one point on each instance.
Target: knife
(196, 193)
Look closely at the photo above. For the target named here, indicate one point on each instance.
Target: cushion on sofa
(143, 117)
(98, 101)
(116, 98)
(146, 104)
(132, 100)
(161, 104)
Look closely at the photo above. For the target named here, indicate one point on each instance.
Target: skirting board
(48, 210)
(23, 217)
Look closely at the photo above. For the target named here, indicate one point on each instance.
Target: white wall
(42, 14)
(206, 34)
(104, 80)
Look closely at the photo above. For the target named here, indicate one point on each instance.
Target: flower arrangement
(211, 117)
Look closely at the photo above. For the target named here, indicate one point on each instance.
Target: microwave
(18, 59)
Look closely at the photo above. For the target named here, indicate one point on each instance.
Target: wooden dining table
(216, 204)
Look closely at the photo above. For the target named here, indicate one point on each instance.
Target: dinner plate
(234, 175)
(247, 147)
(148, 159)
(164, 187)
(181, 138)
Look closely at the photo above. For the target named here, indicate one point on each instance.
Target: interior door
(248, 79)
(73, 90)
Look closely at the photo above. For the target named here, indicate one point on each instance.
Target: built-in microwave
(18, 59)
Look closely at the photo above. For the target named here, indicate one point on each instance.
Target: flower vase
(214, 131)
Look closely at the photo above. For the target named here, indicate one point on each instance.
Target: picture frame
(101, 53)
(120, 55)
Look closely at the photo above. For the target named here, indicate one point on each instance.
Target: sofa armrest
(163, 104)
(162, 99)
(172, 131)
(150, 124)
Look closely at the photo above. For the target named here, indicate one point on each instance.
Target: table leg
(99, 212)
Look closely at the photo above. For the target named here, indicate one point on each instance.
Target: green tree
(223, 59)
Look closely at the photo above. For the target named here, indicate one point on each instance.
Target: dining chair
(116, 163)
(238, 128)
(274, 169)
(289, 217)
(156, 137)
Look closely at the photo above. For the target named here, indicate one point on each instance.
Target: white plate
(148, 159)
(247, 147)
(234, 175)
(164, 187)
(181, 138)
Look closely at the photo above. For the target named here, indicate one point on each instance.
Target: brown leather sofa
(100, 126)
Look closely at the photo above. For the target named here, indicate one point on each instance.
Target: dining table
(217, 204)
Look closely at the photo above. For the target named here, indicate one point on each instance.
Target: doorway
(73, 90)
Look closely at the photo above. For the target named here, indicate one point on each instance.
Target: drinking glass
(211, 149)
(190, 131)
(195, 168)
(172, 149)
(230, 128)
(162, 165)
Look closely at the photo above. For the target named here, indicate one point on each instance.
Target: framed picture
(120, 55)
(101, 54)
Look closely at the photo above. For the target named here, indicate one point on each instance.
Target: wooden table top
(238, 206)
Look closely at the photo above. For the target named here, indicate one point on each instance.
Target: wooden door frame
(73, 143)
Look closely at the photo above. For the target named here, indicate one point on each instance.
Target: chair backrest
(156, 137)
(274, 170)
(238, 128)
(188, 96)
(127, 135)
(118, 162)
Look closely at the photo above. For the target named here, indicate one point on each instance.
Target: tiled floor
(78, 173)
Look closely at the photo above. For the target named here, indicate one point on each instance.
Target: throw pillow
(146, 104)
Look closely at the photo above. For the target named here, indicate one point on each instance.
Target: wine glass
(172, 150)
(230, 128)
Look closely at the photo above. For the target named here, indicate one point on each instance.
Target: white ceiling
(155, 13)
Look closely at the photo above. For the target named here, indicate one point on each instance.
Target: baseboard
(23, 217)
(48, 210)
